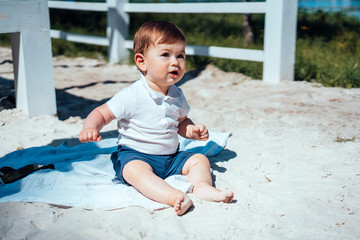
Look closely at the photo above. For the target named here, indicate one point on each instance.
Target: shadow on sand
(70, 105)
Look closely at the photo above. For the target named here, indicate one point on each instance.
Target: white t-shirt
(147, 120)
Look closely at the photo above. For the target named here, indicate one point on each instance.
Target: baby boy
(150, 114)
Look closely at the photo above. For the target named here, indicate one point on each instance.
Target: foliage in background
(327, 48)
(82, 22)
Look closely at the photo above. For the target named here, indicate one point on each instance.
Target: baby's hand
(89, 135)
(200, 132)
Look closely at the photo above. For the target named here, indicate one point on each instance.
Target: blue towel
(84, 175)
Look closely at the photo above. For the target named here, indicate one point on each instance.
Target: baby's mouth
(174, 72)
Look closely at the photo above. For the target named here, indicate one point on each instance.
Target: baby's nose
(174, 61)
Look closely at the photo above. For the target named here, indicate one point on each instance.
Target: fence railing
(278, 56)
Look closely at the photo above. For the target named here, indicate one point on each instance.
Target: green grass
(327, 47)
(82, 22)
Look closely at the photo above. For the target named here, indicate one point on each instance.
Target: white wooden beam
(84, 6)
(226, 52)
(117, 30)
(79, 38)
(16, 16)
(129, 44)
(35, 89)
(219, 52)
(27, 21)
(243, 7)
(279, 40)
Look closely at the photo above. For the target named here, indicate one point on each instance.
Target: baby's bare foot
(182, 204)
(209, 193)
(226, 196)
(220, 196)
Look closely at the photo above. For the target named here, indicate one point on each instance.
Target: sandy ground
(293, 160)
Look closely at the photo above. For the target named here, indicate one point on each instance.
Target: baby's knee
(201, 159)
(195, 160)
(135, 168)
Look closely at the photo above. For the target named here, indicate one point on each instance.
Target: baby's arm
(96, 120)
(188, 129)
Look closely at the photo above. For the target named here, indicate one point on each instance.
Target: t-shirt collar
(172, 92)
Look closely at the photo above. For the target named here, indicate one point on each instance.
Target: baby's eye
(181, 56)
(165, 55)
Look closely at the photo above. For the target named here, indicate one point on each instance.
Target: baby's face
(165, 65)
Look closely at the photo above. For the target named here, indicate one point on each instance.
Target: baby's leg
(140, 175)
(198, 170)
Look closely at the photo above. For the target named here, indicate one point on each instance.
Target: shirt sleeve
(117, 104)
(185, 108)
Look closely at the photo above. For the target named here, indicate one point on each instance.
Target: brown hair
(156, 31)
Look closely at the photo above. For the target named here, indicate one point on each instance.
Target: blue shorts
(163, 165)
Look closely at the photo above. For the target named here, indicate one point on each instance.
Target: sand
(293, 160)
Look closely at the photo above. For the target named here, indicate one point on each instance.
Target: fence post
(279, 40)
(117, 30)
(29, 27)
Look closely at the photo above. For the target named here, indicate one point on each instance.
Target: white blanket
(84, 175)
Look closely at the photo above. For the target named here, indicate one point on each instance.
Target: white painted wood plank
(243, 7)
(35, 93)
(225, 52)
(28, 23)
(84, 6)
(16, 16)
(279, 40)
(117, 30)
(219, 52)
(129, 44)
(79, 38)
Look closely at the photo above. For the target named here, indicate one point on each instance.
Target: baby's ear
(140, 62)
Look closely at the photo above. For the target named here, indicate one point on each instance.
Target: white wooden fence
(27, 21)
(278, 56)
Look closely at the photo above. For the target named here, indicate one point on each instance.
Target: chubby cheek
(183, 68)
(182, 63)
(158, 68)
